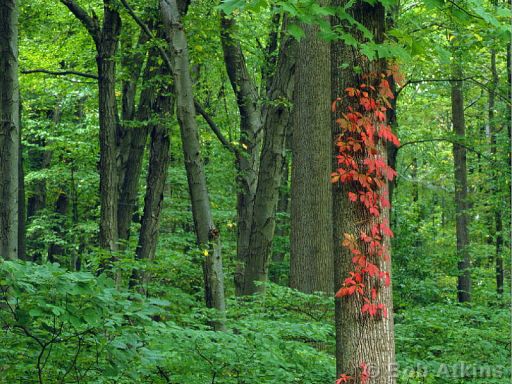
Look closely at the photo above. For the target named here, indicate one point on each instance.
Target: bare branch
(60, 73)
(230, 147)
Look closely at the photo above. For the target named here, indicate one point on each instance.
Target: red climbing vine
(361, 166)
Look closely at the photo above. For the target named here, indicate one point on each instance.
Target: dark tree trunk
(9, 130)
(311, 261)
(208, 236)
(133, 139)
(39, 158)
(109, 180)
(22, 211)
(106, 41)
(247, 164)
(359, 338)
(498, 225)
(276, 120)
(155, 183)
(283, 207)
(461, 186)
(61, 210)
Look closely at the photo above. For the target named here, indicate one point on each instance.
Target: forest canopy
(255, 191)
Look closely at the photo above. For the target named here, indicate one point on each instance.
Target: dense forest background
(166, 205)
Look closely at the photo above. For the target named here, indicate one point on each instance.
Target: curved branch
(90, 23)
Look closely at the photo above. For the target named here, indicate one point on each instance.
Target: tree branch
(471, 78)
(168, 62)
(464, 10)
(230, 147)
(90, 23)
(447, 140)
(419, 81)
(60, 73)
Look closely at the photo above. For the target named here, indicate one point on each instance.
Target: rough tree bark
(157, 175)
(461, 185)
(311, 259)
(247, 164)
(133, 139)
(9, 130)
(283, 207)
(135, 146)
(358, 338)
(276, 116)
(106, 41)
(208, 236)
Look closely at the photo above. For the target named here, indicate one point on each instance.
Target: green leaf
(296, 31)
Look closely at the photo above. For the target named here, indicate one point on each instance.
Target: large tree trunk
(109, 129)
(106, 41)
(276, 120)
(9, 130)
(311, 261)
(359, 338)
(247, 164)
(208, 236)
(461, 186)
(155, 183)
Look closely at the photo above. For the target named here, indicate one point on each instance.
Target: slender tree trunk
(109, 180)
(311, 259)
(39, 158)
(392, 150)
(208, 236)
(276, 120)
(133, 139)
(498, 225)
(137, 143)
(22, 211)
(9, 130)
(461, 186)
(157, 175)
(283, 207)
(247, 165)
(359, 338)
(61, 210)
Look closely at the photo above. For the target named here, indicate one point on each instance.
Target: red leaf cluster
(363, 134)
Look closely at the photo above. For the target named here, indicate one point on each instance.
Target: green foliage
(77, 327)
(453, 344)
